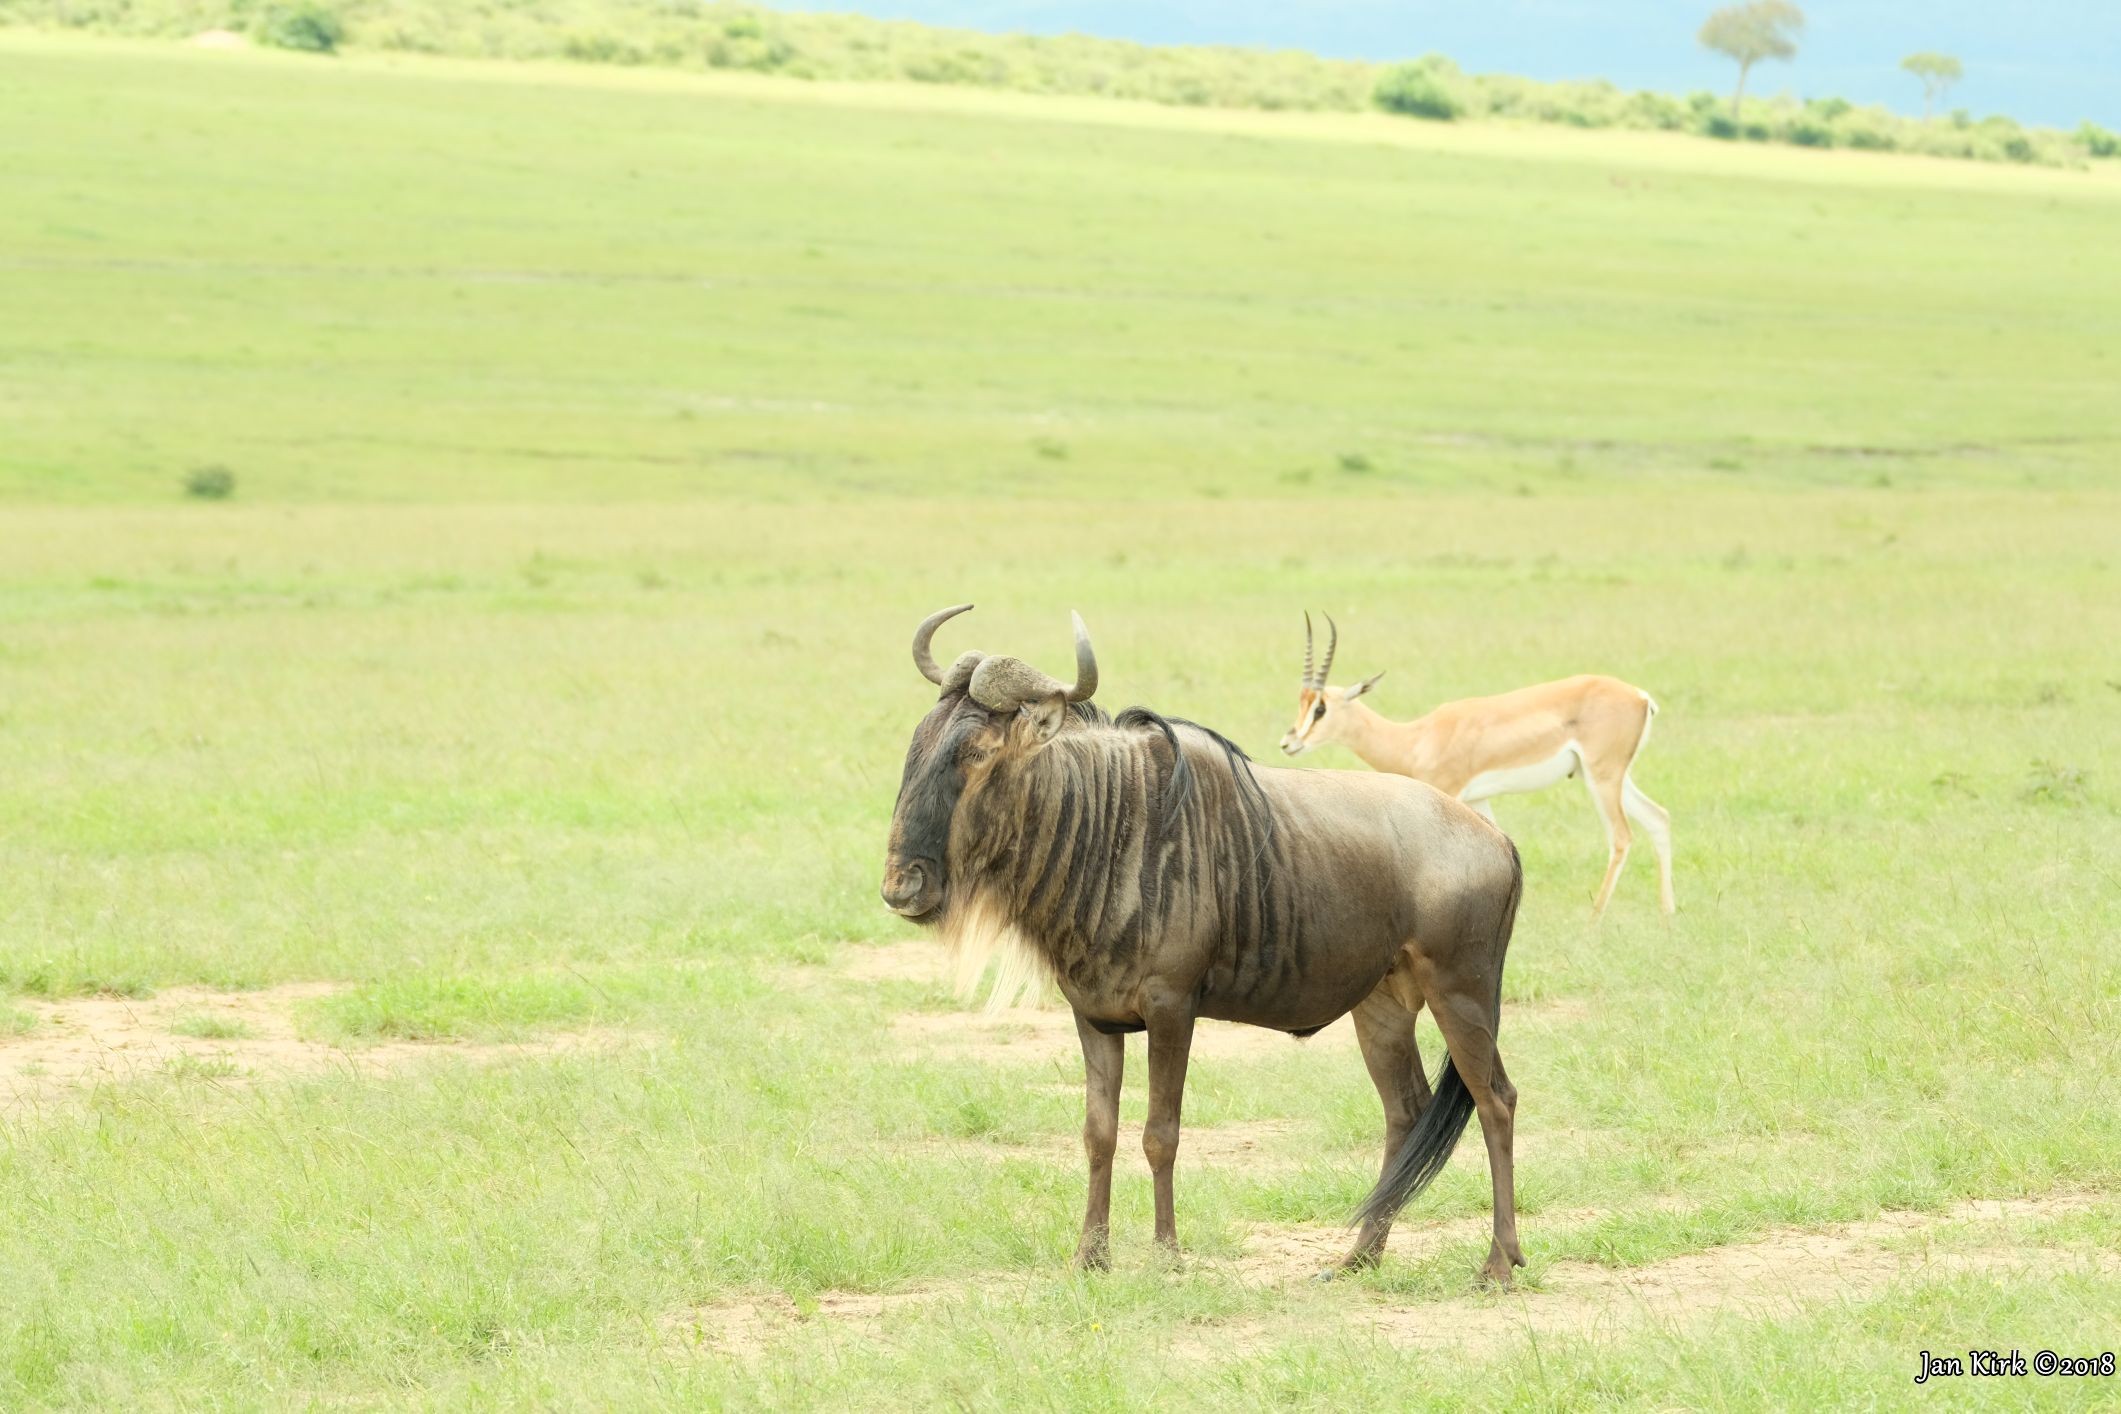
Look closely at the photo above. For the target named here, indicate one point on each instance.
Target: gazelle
(1518, 742)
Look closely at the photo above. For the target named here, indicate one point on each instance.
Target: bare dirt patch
(746, 1327)
(916, 960)
(83, 1042)
(1047, 1034)
(1021, 1034)
(1781, 1272)
(1777, 1274)
(1253, 1145)
(1041, 1034)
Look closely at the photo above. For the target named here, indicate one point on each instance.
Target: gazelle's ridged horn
(1307, 650)
(1331, 643)
(1085, 662)
(922, 658)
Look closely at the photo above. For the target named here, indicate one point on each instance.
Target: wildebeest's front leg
(1170, 1043)
(1103, 1058)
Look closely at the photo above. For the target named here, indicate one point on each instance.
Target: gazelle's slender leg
(1656, 822)
(1606, 795)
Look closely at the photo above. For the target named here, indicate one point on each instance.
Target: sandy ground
(1035, 1034)
(1780, 1273)
(84, 1042)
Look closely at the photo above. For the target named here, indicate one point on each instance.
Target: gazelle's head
(1321, 718)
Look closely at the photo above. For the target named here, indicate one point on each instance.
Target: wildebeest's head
(993, 710)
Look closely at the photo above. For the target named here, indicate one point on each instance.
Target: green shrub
(1418, 91)
(1828, 109)
(1810, 132)
(210, 483)
(600, 47)
(1717, 125)
(1654, 110)
(1865, 129)
(303, 25)
(2098, 141)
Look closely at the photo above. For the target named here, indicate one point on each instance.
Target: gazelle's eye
(1319, 710)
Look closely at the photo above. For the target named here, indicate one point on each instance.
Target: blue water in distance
(2051, 62)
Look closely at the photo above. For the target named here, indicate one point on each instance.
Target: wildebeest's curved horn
(922, 658)
(1003, 684)
(1085, 662)
(1331, 644)
(1307, 650)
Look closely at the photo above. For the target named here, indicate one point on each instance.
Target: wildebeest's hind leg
(1103, 1058)
(1384, 1025)
(1467, 1017)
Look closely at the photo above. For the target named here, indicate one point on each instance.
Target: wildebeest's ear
(1360, 688)
(1042, 719)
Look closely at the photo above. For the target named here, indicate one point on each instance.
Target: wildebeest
(1476, 749)
(1156, 877)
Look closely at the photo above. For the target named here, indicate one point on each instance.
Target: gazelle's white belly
(1518, 780)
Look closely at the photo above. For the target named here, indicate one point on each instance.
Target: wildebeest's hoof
(1496, 1271)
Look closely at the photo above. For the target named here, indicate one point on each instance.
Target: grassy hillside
(384, 282)
(516, 743)
(703, 34)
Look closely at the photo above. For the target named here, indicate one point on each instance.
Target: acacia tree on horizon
(1750, 32)
(1938, 73)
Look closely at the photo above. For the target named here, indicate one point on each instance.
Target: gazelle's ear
(1041, 720)
(1360, 688)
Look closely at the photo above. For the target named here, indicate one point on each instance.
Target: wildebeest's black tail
(1427, 1149)
(1436, 1133)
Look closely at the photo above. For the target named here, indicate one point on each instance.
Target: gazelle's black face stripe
(1311, 709)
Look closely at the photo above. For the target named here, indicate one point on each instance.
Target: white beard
(978, 932)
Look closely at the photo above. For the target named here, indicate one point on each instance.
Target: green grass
(597, 441)
(203, 1068)
(1236, 303)
(208, 1027)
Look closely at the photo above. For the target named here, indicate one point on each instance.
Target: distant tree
(1750, 32)
(1938, 72)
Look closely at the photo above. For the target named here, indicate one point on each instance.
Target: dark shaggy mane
(1181, 790)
